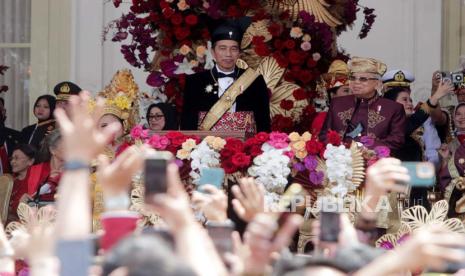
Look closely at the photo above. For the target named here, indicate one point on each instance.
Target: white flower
(184, 68)
(209, 57)
(203, 157)
(271, 169)
(339, 169)
(209, 88)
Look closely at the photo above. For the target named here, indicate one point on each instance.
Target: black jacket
(255, 98)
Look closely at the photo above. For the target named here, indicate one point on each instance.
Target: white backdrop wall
(406, 34)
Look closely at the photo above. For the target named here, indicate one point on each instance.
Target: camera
(456, 78)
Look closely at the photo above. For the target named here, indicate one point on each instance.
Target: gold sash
(225, 102)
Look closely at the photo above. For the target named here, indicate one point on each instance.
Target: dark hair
(394, 92)
(145, 255)
(49, 142)
(27, 149)
(171, 122)
(51, 103)
(457, 107)
(2, 100)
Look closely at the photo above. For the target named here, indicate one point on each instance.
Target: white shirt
(432, 142)
(224, 84)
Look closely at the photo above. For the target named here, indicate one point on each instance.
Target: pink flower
(306, 46)
(316, 56)
(138, 132)
(158, 142)
(289, 154)
(279, 140)
(382, 151)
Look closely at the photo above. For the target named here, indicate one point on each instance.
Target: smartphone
(212, 176)
(422, 174)
(155, 173)
(329, 226)
(220, 233)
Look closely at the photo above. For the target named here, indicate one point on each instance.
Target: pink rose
(158, 142)
(138, 132)
(279, 140)
(382, 151)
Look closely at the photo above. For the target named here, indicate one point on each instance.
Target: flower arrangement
(169, 39)
(339, 169)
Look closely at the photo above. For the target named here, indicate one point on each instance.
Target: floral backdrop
(169, 39)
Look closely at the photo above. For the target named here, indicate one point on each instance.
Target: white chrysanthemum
(203, 157)
(339, 169)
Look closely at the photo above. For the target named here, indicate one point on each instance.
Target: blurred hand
(116, 177)
(435, 80)
(174, 206)
(249, 198)
(82, 139)
(444, 152)
(262, 242)
(385, 175)
(431, 247)
(444, 88)
(213, 204)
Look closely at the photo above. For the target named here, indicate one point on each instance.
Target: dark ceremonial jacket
(255, 98)
(413, 149)
(42, 129)
(11, 137)
(381, 119)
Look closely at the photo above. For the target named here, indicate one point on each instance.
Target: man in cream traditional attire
(226, 97)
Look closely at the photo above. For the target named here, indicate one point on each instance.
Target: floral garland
(177, 32)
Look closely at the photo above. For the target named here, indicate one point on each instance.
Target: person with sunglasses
(365, 113)
(161, 116)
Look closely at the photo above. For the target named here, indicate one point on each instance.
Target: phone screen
(422, 174)
(329, 226)
(155, 176)
(212, 176)
(221, 236)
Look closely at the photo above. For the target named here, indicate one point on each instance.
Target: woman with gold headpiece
(365, 113)
(120, 106)
(334, 84)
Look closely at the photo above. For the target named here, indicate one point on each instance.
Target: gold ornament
(318, 8)
(259, 28)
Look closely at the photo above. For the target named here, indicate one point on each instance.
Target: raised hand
(249, 198)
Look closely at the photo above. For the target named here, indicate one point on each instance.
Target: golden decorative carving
(318, 8)
(259, 28)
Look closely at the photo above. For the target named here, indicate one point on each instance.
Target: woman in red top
(45, 175)
(21, 159)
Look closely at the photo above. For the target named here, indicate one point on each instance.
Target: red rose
(284, 15)
(226, 153)
(250, 142)
(289, 44)
(168, 12)
(181, 33)
(286, 104)
(164, 5)
(154, 17)
(241, 160)
(262, 50)
(228, 167)
(275, 29)
(281, 60)
(234, 144)
(191, 20)
(278, 44)
(294, 57)
(300, 94)
(176, 138)
(305, 76)
(334, 138)
(257, 40)
(176, 19)
(262, 137)
(205, 34)
(255, 150)
(313, 146)
(234, 11)
(311, 63)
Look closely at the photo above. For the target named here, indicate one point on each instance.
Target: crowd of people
(77, 152)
